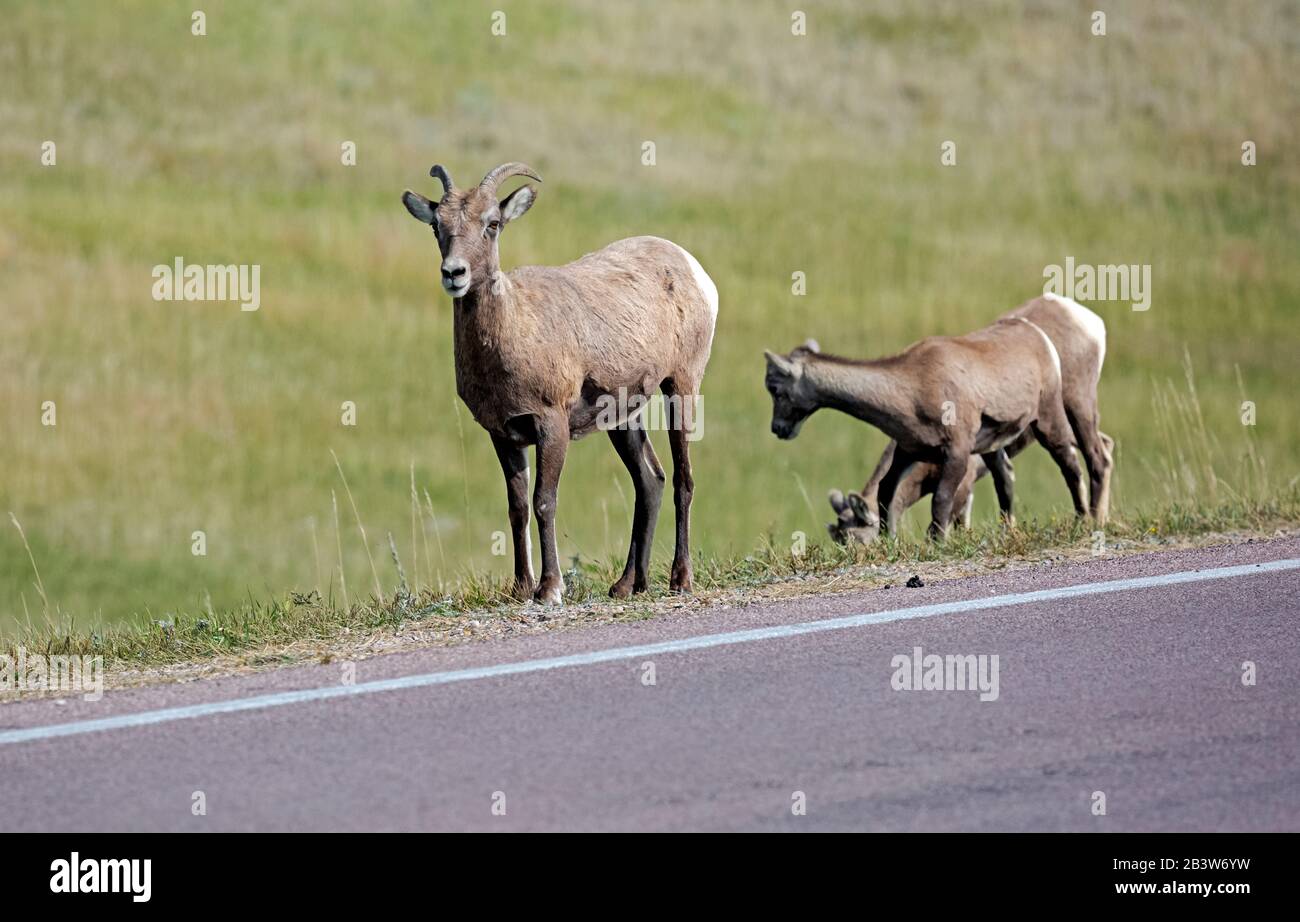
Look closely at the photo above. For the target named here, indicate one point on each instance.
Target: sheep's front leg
(1003, 480)
(950, 477)
(552, 444)
(899, 465)
(514, 464)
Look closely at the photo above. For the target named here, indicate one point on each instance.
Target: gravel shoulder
(491, 627)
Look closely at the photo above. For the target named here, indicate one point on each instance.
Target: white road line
(166, 715)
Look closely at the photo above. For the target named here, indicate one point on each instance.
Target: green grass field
(775, 154)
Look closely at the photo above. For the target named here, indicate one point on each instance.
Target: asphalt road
(1136, 694)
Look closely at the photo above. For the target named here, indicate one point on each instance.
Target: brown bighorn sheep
(945, 398)
(545, 354)
(857, 516)
(1080, 339)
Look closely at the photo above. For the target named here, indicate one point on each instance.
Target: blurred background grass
(775, 154)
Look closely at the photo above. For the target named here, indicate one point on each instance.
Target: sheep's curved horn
(499, 175)
(439, 172)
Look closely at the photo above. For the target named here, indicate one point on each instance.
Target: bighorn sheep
(857, 516)
(545, 354)
(1080, 339)
(945, 398)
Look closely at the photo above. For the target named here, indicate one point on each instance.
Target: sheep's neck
(483, 314)
(870, 391)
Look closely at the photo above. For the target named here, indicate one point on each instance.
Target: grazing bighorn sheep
(945, 398)
(545, 354)
(857, 517)
(1079, 336)
(1080, 339)
(857, 514)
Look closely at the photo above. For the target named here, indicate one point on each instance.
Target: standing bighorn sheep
(545, 354)
(946, 398)
(1080, 339)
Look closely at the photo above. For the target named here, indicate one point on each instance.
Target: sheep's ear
(862, 511)
(842, 510)
(516, 203)
(807, 347)
(782, 365)
(420, 207)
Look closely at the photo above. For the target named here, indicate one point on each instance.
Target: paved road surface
(1134, 693)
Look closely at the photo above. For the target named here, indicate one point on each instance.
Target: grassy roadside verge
(300, 626)
(817, 154)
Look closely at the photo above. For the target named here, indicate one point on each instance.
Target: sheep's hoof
(626, 586)
(550, 592)
(681, 580)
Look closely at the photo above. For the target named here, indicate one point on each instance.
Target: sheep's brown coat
(1079, 337)
(625, 318)
(942, 400)
(1080, 340)
(544, 353)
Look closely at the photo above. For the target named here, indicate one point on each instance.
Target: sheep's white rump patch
(702, 281)
(1093, 326)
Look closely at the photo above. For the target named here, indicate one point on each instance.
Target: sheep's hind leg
(1053, 432)
(638, 456)
(681, 428)
(1098, 459)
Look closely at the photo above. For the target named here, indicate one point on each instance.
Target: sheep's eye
(493, 227)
